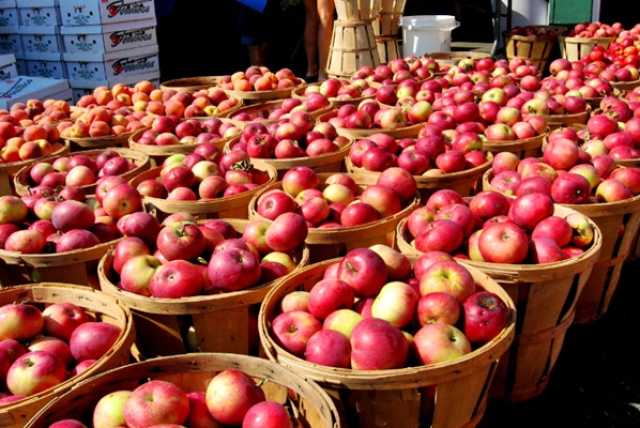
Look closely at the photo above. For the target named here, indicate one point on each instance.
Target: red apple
(230, 395)
(485, 316)
(20, 321)
(156, 402)
(91, 340)
(503, 243)
(377, 345)
(34, 372)
(364, 270)
(438, 307)
(61, 319)
(328, 348)
(233, 269)
(439, 342)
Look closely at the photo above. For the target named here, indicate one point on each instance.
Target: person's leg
(325, 14)
(311, 36)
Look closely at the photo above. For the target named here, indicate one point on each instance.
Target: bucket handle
(412, 27)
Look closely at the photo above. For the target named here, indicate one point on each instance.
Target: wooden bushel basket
(526, 147)
(388, 48)
(409, 131)
(357, 10)
(537, 50)
(558, 120)
(259, 96)
(545, 296)
(266, 108)
(190, 84)
(329, 243)
(328, 162)
(221, 322)
(310, 406)
(141, 160)
(576, 48)
(9, 169)
(101, 142)
(227, 207)
(353, 45)
(452, 58)
(445, 395)
(106, 308)
(463, 182)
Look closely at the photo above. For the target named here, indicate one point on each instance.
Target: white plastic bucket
(427, 33)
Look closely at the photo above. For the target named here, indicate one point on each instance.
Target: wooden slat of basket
(527, 147)
(357, 10)
(193, 372)
(396, 398)
(229, 207)
(388, 48)
(558, 120)
(16, 415)
(353, 46)
(545, 296)
(8, 170)
(141, 160)
(576, 48)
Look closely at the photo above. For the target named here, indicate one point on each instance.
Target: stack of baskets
(386, 28)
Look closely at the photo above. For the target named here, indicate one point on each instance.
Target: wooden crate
(190, 84)
(545, 296)
(576, 48)
(445, 395)
(9, 169)
(77, 266)
(323, 163)
(463, 182)
(307, 402)
(526, 147)
(227, 207)
(353, 45)
(329, 243)
(141, 160)
(105, 308)
(223, 322)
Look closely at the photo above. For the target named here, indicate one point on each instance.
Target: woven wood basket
(100, 142)
(141, 160)
(545, 297)
(357, 10)
(307, 402)
(223, 322)
(537, 50)
(445, 395)
(353, 45)
(259, 96)
(576, 48)
(558, 120)
(410, 131)
(526, 147)
(190, 84)
(106, 309)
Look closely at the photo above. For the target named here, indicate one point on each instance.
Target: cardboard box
(5, 4)
(9, 17)
(92, 12)
(39, 16)
(99, 39)
(8, 67)
(127, 80)
(21, 65)
(45, 45)
(66, 95)
(10, 43)
(121, 65)
(22, 88)
(50, 69)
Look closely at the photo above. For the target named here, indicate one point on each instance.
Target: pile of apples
(77, 170)
(369, 114)
(32, 142)
(339, 201)
(39, 223)
(102, 122)
(232, 398)
(340, 89)
(41, 349)
(373, 311)
(429, 155)
(118, 96)
(35, 111)
(576, 79)
(203, 174)
(493, 228)
(183, 258)
(596, 30)
(167, 131)
(205, 102)
(295, 137)
(604, 135)
(567, 173)
(624, 50)
(260, 78)
(310, 103)
(398, 70)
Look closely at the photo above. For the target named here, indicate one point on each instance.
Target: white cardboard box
(22, 88)
(42, 43)
(21, 64)
(39, 16)
(91, 12)
(98, 39)
(10, 43)
(9, 17)
(5, 4)
(120, 65)
(8, 67)
(51, 69)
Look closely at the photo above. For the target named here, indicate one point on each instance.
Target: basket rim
(106, 139)
(17, 165)
(380, 379)
(167, 305)
(265, 95)
(125, 338)
(150, 149)
(182, 83)
(335, 100)
(45, 260)
(363, 133)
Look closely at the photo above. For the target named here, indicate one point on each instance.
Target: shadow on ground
(597, 380)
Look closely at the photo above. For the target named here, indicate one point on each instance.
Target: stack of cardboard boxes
(88, 42)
